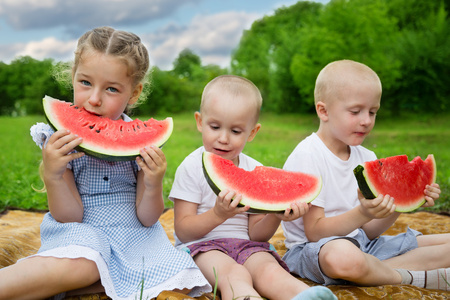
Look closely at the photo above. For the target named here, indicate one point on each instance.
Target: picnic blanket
(19, 237)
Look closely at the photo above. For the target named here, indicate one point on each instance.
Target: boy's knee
(235, 271)
(268, 272)
(342, 259)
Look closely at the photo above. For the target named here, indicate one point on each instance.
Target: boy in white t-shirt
(338, 241)
(228, 244)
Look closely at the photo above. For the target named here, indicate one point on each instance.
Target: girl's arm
(149, 186)
(64, 201)
(261, 228)
(190, 226)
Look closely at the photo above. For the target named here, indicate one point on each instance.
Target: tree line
(405, 41)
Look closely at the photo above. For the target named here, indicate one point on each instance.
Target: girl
(102, 231)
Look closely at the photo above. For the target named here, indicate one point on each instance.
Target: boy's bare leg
(274, 282)
(432, 253)
(234, 280)
(270, 279)
(342, 259)
(41, 277)
(364, 269)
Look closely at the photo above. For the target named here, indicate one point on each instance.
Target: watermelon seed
(91, 127)
(98, 131)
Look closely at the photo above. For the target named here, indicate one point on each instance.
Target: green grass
(279, 134)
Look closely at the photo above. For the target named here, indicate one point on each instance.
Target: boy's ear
(254, 132)
(136, 93)
(198, 120)
(321, 110)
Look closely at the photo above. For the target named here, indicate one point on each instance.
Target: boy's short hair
(337, 74)
(234, 85)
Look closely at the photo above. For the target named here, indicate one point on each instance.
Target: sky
(210, 28)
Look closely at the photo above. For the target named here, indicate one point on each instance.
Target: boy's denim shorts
(303, 259)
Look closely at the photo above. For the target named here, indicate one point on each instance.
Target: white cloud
(79, 15)
(8, 52)
(212, 37)
(49, 48)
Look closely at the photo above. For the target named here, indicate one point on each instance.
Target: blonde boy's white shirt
(190, 185)
(339, 188)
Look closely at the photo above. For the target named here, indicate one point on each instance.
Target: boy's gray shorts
(303, 259)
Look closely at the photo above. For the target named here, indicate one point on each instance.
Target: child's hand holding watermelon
(226, 205)
(432, 193)
(381, 207)
(411, 183)
(296, 210)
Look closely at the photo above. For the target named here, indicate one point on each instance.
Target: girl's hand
(378, 208)
(55, 155)
(432, 193)
(297, 210)
(227, 205)
(153, 163)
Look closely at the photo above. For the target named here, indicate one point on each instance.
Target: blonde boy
(338, 241)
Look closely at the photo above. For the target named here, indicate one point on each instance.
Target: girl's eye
(85, 82)
(113, 90)
(354, 112)
(236, 131)
(214, 127)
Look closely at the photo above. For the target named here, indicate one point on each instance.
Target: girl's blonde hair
(123, 45)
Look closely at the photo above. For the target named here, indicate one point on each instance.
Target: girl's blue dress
(126, 252)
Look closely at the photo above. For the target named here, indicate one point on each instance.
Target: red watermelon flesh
(264, 189)
(105, 138)
(396, 176)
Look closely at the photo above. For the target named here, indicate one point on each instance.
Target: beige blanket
(19, 237)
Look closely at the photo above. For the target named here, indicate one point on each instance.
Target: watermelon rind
(98, 151)
(369, 191)
(257, 206)
(363, 183)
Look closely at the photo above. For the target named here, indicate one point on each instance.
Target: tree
(7, 102)
(265, 52)
(186, 64)
(404, 41)
(24, 82)
(423, 48)
(360, 30)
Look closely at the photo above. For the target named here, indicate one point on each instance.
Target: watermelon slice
(397, 177)
(265, 189)
(114, 140)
